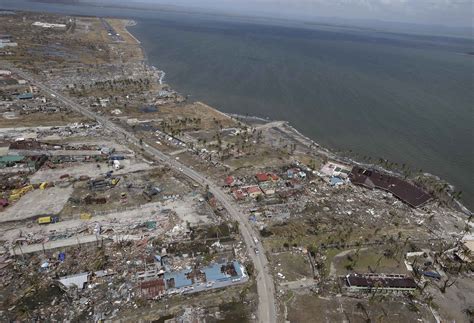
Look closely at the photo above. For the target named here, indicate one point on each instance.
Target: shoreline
(296, 135)
(131, 23)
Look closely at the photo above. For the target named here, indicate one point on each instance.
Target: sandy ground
(144, 213)
(185, 209)
(87, 169)
(38, 202)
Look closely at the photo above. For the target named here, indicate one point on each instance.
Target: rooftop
(408, 193)
(380, 281)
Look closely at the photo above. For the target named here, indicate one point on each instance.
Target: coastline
(131, 23)
(294, 133)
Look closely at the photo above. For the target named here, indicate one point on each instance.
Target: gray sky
(442, 12)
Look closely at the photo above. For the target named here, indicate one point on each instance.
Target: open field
(38, 203)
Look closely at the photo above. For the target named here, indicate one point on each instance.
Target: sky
(433, 12)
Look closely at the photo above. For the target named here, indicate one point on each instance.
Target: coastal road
(265, 287)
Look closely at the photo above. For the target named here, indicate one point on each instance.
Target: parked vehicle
(48, 219)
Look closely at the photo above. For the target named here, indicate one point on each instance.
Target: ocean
(403, 97)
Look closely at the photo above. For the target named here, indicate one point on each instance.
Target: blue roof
(238, 269)
(214, 273)
(148, 109)
(336, 180)
(25, 96)
(180, 279)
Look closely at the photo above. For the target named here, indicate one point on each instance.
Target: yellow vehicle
(115, 181)
(43, 185)
(19, 192)
(86, 216)
(48, 219)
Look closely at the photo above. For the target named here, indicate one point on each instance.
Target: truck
(48, 219)
(19, 192)
(86, 216)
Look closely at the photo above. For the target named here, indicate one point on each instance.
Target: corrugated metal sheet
(79, 280)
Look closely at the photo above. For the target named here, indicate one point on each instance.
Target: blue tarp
(62, 256)
(116, 157)
(336, 180)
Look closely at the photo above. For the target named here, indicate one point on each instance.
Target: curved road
(265, 287)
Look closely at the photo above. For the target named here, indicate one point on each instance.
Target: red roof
(263, 177)
(253, 189)
(238, 194)
(152, 288)
(229, 180)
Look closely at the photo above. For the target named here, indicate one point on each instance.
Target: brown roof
(25, 144)
(152, 288)
(262, 177)
(376, 281)
(405, 191)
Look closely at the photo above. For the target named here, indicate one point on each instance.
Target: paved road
(265, 287)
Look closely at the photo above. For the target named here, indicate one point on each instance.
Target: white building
(3, 45)
(48, 25)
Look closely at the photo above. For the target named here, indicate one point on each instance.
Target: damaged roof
(405, 191)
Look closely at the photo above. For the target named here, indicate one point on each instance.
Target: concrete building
(4, 148)
(10, 44)
(48, 25)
